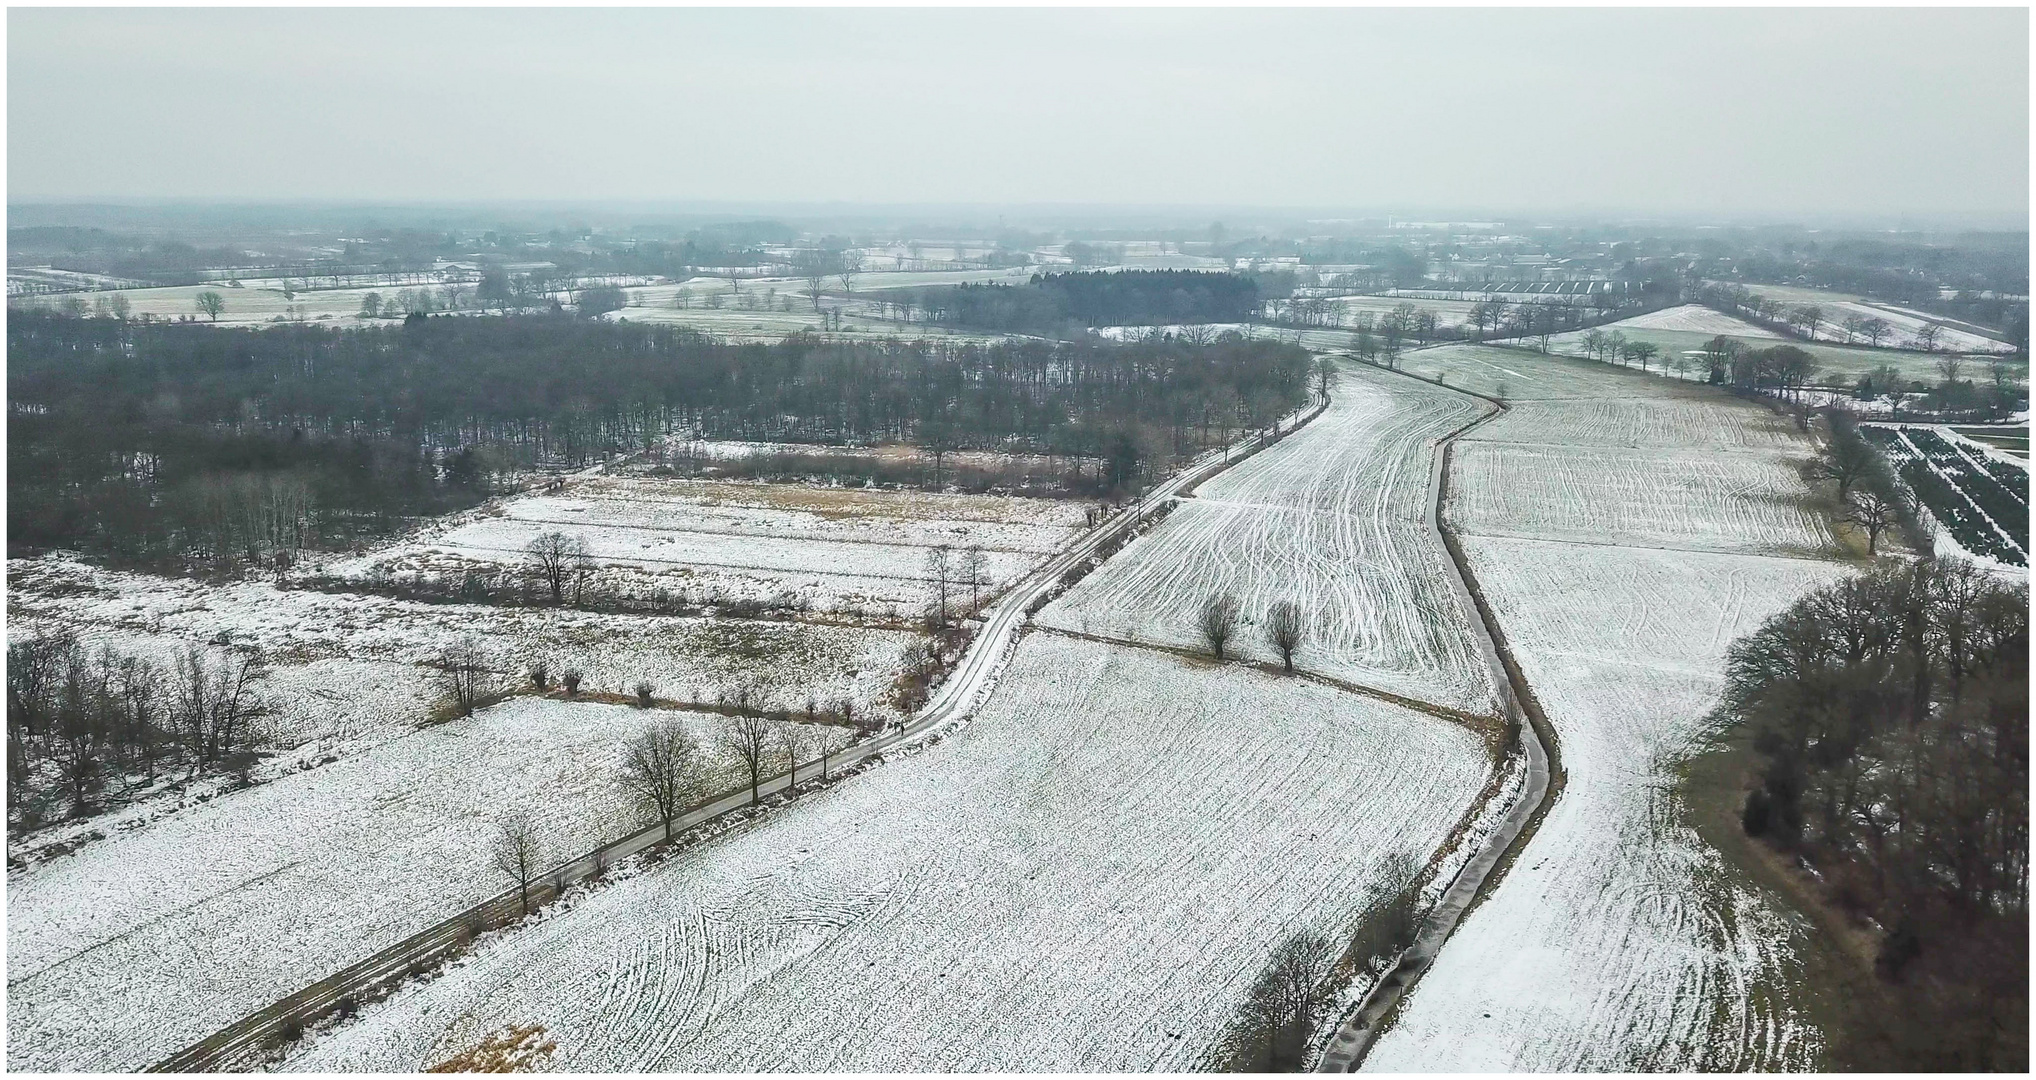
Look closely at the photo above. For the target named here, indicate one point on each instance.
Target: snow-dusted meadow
(832, 548)
(1837, 361)
(378, 650)
(1706, 499)
(1694, 319)
(1447, 312)
(1332, 519)
(1619, 941)
(1084, 878)
(148, 940)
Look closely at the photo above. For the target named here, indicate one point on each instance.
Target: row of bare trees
(81, 721)
(1284, 627)
(666, 772)
(950, 570)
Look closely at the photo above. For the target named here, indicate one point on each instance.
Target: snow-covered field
(1695, 319)
(1447, 312)
(139, 944)
(344, 665)
(1511, 372)
(1333, 519)
(1085, 878)
(1619, 941)
(1903, 323)
(1707, 499)
(1835, 362)
(836, 548)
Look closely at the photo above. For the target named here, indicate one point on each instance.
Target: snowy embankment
(149, 940)
(1332, 519)
(1085, 878)
(1619, 941)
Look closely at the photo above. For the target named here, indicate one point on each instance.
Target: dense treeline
(1065, 304)
(153, 442)
(1891, 714)
(83, 724)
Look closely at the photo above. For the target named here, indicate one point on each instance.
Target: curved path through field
(1354, 1034)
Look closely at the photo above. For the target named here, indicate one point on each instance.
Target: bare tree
(797, 741)
(211, 303)
(644, 689)
(749, 737)
(556, 558)
(519, 854)
(464, 676)
(1219, 622)
(662, 770)
(1875, 512)
(1951, 367)
(1273, 1025)
(832, 740)
(1926, 336)
(1874, 329)
(975, 572)
(939, 567)
(1284, 629)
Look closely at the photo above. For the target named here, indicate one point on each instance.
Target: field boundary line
(1482, 724)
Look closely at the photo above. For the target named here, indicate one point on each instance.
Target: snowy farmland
(1903, 323)
(1836, 363)
(377, 649)
(1333, 519)
(1085, 878)
(1694, 319)
(832, 548)
(1701, 500)
(136, 945)
(1619, 941)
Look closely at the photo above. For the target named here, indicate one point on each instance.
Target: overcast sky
(1737, 112)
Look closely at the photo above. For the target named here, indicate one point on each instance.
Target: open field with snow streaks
(1333, 519)
(1619, 941)
(1084, 878)
(138, 944)
(1704, 500)
(837, 548)
(1694, 319)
